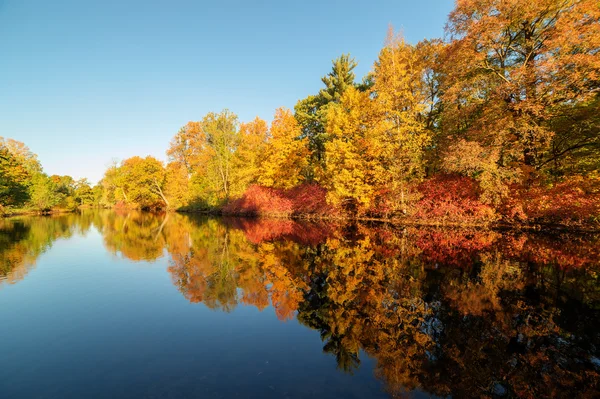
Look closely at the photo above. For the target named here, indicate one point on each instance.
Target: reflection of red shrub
(574, 201)
(565, 251)
(453, 247)
(452, 198)
(303, 200)
(259, 230)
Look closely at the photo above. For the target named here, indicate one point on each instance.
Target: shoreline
(396, 222)
(503, 225)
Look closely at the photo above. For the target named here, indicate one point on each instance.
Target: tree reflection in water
(450, 312)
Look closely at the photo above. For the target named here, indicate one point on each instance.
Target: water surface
(118, 305)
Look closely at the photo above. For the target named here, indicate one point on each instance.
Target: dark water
(119, 305)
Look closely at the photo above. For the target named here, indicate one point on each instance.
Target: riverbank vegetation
(496, 123)
(25, 188)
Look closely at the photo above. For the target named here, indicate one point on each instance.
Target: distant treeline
(498, 121)
(25, 187)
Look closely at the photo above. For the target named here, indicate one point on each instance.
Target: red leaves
(451, 198)
(576, 201)
(266, 230)
(258, 200)
(305, 200)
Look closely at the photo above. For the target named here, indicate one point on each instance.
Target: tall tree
(207, 150)
(311, 112)
(286, 155)
(249, 154)
(512, 66)
(404, 100)
(14, 180)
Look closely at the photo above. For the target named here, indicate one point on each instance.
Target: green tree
(43, 192)
(83, 192)
(14, 180)
(311, 112)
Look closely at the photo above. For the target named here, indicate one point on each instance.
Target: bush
(574, 201)
(452, 198)
(304, 200)
(258, 200)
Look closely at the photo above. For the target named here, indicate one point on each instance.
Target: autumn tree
(286, 155)
(353, 155)
(14, 180)
(377, 139)
(177, 185)
(83, 192)
(142, 181)
(311, 112)
(207, 150)
(250, 154)
(136, 182)
(187, 145)
(511, 68)
(404, 92)
(22, 154)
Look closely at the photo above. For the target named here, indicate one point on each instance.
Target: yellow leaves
(249, 155)
(286, 156)
(377, 140)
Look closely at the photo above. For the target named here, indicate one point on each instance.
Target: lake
(107, 304)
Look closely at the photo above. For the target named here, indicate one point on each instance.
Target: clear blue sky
(83, 82)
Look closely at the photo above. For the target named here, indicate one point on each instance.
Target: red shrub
(258, 200)
(574, 201)
(453, 247)
(304, 200)
(310, 199)
(260, 230)
(451, 198)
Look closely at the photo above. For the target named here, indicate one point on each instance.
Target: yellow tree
(286, 155)
(512, 66)
(249, 155)
(206, 150)
(378, 138)
(352, 156)
(404, 100)
(186, 146)
(176, 186)
(141, 182)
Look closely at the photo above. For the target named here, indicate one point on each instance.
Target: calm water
(111, 305)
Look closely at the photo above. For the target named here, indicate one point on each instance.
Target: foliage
(453, 199)
(286, 156)
(513, 66)
(14, 180)
(258, 200)
(137, 182)
(499, 118)
(42, 192)
(574, 202)
(311, 112)
(307, 200)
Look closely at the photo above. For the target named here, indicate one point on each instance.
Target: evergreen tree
(311, 112)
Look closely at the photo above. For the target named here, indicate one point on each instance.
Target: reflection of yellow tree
(136, 236)
(23, 240)
(439, 310)
(212, 263)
